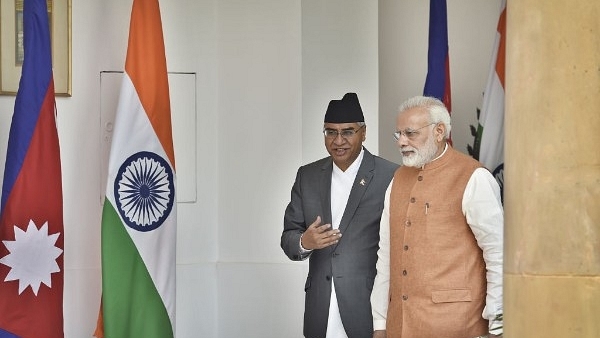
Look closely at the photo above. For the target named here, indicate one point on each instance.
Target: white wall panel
(339, 55)
(259, 137)
(261, 300)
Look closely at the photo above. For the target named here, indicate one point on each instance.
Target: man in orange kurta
(439, 269)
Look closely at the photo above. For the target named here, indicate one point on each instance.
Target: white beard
(422, 156)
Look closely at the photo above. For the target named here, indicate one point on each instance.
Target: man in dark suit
(333, 219)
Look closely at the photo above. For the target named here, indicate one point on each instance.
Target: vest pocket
(451, 296)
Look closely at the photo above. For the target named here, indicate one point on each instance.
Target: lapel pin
(362, 181)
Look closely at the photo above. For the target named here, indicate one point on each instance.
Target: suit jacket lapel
(325, 191)
(360, 185)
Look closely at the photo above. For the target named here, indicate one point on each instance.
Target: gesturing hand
(319, 236)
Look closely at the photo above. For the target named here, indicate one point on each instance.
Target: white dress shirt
(341, 185)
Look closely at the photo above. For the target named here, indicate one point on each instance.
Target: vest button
(406, 248)
(407, 223)
(412, 200)
(404, 272)
(420, 178)
(405, 297)
(328, 278)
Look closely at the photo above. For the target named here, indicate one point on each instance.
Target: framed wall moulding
(11, 45)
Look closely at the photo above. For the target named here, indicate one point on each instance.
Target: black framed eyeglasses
(345, 133)
(410, 133)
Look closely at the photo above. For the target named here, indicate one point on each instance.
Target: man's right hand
(379, 334)
(319, 236)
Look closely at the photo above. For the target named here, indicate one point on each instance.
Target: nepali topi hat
(346, 110)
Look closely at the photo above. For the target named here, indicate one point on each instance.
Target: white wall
(258, 142)
(339, 55)
(266, 70)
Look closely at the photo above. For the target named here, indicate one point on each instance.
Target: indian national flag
(489, 143)
(139, 215)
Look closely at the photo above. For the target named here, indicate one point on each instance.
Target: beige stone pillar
(552, 169)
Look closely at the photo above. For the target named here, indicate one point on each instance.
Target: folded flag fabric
(31, 212)
(437, 82)
(139, 214)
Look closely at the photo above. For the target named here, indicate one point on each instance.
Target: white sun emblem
(32, 257)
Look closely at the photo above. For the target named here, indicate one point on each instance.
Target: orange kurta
(437, 272)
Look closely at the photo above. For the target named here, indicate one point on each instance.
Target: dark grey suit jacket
(350, 263)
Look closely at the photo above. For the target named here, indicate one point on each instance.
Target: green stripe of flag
(131, 304)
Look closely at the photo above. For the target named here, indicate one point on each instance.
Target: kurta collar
(438, 161)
